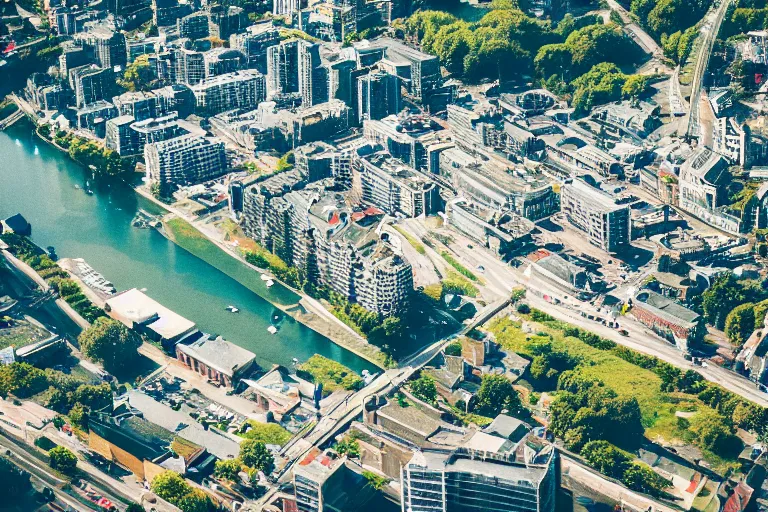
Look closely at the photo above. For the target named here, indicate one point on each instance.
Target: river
(39, 182)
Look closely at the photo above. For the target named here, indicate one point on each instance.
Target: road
(709, 32)
(677, 104)
(636, 32)
(501, 279)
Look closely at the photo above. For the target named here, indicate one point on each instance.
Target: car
(481, 269)
(469, 246)
(624, 332)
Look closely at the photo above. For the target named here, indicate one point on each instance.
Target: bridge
(11, 119)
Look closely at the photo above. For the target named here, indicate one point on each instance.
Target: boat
(265, 277)
(77, 187)
(232, 309)
(272, 329)
(270, 283)
(295, 360)
(89, 192)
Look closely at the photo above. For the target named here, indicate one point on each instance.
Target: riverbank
(305, 310)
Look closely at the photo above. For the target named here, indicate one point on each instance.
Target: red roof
(334, 219)
(372, 210)
(356, 216)
(739, 499)
(11, 46)
(290, 505)
(312, 455)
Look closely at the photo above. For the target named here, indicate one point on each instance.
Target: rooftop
(219, 354)
(134, 307)
(668, 308)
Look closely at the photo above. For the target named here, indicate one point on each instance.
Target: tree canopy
(497, 394)
(424, 388)
(110, 342)
(254, 454)
(139, 75)
(62, 460)
(171, 487)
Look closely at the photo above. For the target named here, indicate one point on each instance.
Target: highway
(709, 32)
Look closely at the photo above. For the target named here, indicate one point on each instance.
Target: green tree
(171, 487)
(453, 349)
(254, 454)
(139, 75)
(63, 460)
(639, 477)
(16, 482)
(134, 507)
(605, 458)
(227, 469)
(496, 394)
(110, 342)
(714, 433)
(22, 380)
(79, 415)
(424, 388)
(721, 298)
(740, 323)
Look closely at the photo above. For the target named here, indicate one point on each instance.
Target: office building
(189, 66)
(240, 90)
(317, 123)
(286, 7)
(177, 98)
(316, 478)
(412, 138)
(378, 95)
(594, 212)
(73, 56)
(420, 71)
(184, 160)
(226, 21)
(165, 12)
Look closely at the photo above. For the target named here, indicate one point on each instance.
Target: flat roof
(136, 307)
(219, 354)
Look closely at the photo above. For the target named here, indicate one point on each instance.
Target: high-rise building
(190, 66)
(317, 477)
(108, 47)
(225, 21)
(286, 7)
(283, 68)
(607, 224)
(165, 12)
(420, 71)
(194, 26)
(219, 61)
(254, 44)
(184, 160)
(378, 95)
(139, 105)
(240, 90)
(92, 83)
(176, 98)
(313, 76)
(467, 480)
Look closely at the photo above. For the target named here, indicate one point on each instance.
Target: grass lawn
(21, 334)
(626, 379)
(418, 246)
(190, 239)
(332, 375)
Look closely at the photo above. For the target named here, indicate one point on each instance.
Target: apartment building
(283, 68)
(108, 47)
(313, 76)
(92, 84)
(408, 137)
(703, 189)
(254, 44)
(128, 137)
(241, 89)
(420, 71)
(378, 95)
(219, 61)
(496, 184)
(184, 160)
(471, 480)
(396, 188)
(286, 7)
(316, 478)
(140, 105)
(193, 26)
(319, 122)
(186, 66)
(594, 212)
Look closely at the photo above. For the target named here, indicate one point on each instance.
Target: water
(39, 181)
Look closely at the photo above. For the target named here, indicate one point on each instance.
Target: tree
(254, 454)
(171, 487)
(138, 75)
(639, 477)
(63, 460)
(714, 433)
(721, 298)
(94, 397)
(605, 458)
(453, 349)
(740, 323)
(227, 469)
(110, 342)
(79, 416)
(134, 507)
(424, 388)
(496, 394)
(22, 380)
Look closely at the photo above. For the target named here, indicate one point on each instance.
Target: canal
(46, 187)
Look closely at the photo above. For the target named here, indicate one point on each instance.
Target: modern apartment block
(419, 70)
(107, 46)
(140, 105)
(184, 160)
(188, 66)
(91, 84)
(193, 26)
(241, 89)
(283, 68)
(219, 61)
(286, 7)
(396, 188)
(254, 44)
(378, 95)
(313, 76)
(317, 477)
(607, 224)
(413, 138)
(467, 480)
(127, 137)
